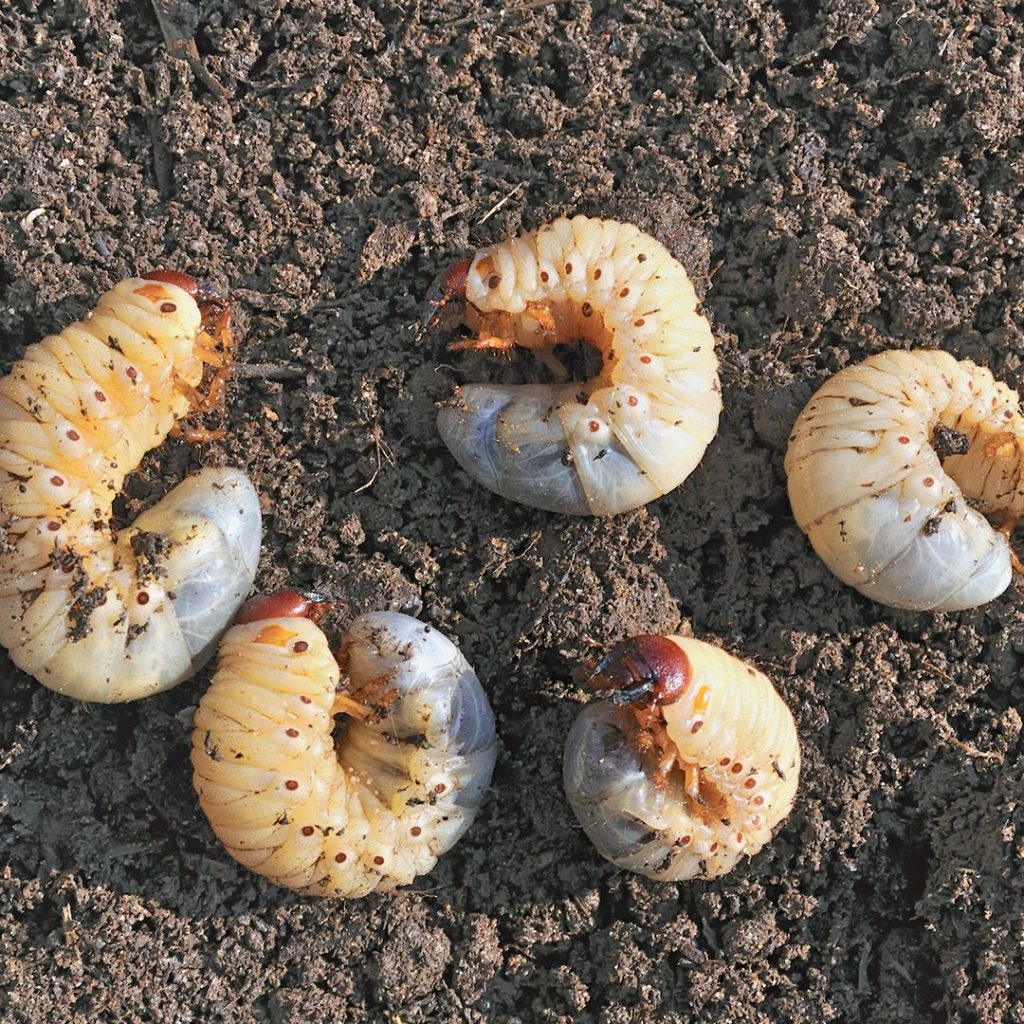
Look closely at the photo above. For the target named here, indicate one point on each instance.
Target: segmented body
(376, 809)
(93, 614)
(894, 465)
(633, 431)
(684, 788)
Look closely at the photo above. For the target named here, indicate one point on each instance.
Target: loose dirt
(839, 177)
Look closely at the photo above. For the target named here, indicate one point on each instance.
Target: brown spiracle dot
(100, 397)
(378, 860)
(53, 526)
(72, 435)
(306, 700)
(415, 830)
(736, 768)
(142, 597)
(568, 268)
(545, 276)
(292, 733)
(597, 274)
(493, 281)
(57, 481)
(340, 858)
(291, 784)
(167, 307)
(308, 830)
(300, 647)
(587, 309)
(750, 784)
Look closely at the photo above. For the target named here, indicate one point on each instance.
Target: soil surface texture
(838, 177)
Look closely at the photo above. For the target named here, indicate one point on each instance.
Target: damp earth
(838, 177)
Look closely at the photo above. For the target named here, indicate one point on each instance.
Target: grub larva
(690, 763)
(94, 614)
(893, 467)
(638, 426)
(376, 808)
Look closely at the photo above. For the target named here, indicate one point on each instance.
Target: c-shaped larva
(94, 614)
(894, 465)
(633, 431)
(689, 765)
(370, 811)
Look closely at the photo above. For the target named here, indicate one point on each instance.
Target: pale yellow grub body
(370, 812)
(734, 780)
(633, 431)
(894, 466)
(92, 614)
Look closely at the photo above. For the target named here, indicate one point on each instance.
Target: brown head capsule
(282, 604)
(186, 282)
(647, 668)
(446, 298)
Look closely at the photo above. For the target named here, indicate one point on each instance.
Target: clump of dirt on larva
(838, 178)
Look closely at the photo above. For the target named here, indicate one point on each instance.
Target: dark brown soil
(839, 177)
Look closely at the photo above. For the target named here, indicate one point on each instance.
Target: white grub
(896, 466)
(372, 811)
(633, 431)
(691, 763)
(92, 614)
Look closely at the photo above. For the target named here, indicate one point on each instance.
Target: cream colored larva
(893, 467)
(690, 764)
(633, 431)
(377, 808)
(92, 614)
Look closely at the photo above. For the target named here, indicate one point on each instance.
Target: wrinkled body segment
(94, 614)
(371, 810)
(894, 466)
(633, 431)
(684, 788)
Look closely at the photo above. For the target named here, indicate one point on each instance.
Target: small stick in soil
(183, 46)
(268, 371)
(500, 203)
(381, 448)
(161, 158)
(715, 58)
